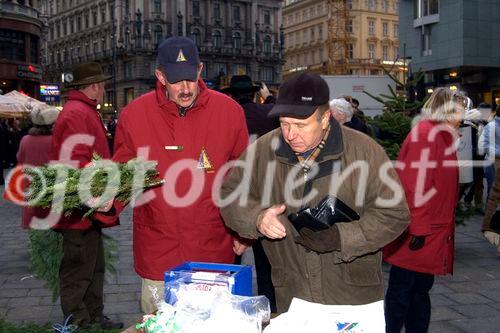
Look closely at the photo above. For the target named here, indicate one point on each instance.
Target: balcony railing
(15, 8)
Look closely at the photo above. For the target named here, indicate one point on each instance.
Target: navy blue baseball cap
(179, 58)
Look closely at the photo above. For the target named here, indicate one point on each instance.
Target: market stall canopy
(15, 104)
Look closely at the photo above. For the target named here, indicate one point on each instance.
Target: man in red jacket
(78, 133)
(191, 131)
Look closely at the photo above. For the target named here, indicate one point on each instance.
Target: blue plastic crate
(238, 278)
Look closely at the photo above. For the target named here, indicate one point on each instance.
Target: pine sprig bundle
(67, 189)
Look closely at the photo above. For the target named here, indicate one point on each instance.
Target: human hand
(269, 224)
(416, 243)
(92, 202)
(493, 238)
(239, 247)
(322, 241)
(264, 91)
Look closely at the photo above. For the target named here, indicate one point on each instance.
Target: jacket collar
(334, 146)
(77, 95)
(171, 107)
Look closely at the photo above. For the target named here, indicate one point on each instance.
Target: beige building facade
(370, 40)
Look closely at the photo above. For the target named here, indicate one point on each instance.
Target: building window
(78, 23)
(95, 47)
(385, 29)
(220, 69)
(71, 26)
(127, 69)
(320, 32)
(385, 52)
(217, 39)
(237, 40)
(396, 30)
(65, 29)
(396, 52)
(129, 95)
(425, 8)
(348, 27)
(267, 74)
(94, 18)
(196, 37)
(87, 24)
(350, 51)
(385, 5)
(217, 11)
(196, 8)
(158, 35)
(370, 4)
(267, 44)
(236, 14)
(349, 4)
(239, 69)
(426, 41)
(313, 30)
(371, 51)
(157, 6)
(103, 43)
(371, 27)
(34, 42)
(267, 17)
(103, 15)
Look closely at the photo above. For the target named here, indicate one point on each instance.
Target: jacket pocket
(364, 271)
(278, 277)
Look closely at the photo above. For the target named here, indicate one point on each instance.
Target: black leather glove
(322, 241)
(416, 242)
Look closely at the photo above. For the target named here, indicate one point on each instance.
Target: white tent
(15, 104)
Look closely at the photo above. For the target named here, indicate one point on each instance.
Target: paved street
(468, 301)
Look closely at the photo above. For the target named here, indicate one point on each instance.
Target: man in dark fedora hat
(82, 268)
(244, 91)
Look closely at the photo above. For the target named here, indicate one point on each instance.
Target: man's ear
(325, 119)
(161, 77)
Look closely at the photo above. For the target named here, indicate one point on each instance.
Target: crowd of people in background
(183, 119)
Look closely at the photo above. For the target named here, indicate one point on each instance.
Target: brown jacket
(350, 276)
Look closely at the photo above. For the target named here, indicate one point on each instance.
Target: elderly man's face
(304, 134)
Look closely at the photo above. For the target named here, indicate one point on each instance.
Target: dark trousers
(82, 275)
(407, 301)
(263, 270)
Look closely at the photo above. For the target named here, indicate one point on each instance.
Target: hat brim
(180, 72)
(89, 80)
(293, 111)
(232, 90)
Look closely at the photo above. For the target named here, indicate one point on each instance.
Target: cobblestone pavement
(468, 301)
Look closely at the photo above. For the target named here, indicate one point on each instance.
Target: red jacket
(434, 218)
(166, 232)
(34, 150)
(79, 116)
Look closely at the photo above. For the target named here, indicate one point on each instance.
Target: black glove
(322, 241)
(416, 242)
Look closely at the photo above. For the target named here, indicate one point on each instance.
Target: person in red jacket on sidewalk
(192, 132)
(428, 171)
(79, 133)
